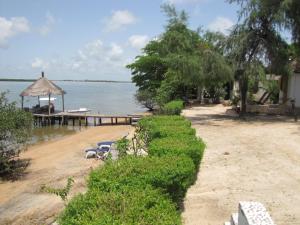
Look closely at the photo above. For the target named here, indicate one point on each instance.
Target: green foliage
(122, 147)
(172, 175)
(273, 88)
(278, 14)
(146, 98)
(61, 192)
(128, 206)
(15, 131)
(142, 190)
(156, 130)
(257, 38)
(178, 145)
(173, 108)
(180, 60)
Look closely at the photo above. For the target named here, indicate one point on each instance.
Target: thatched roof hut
(43, 87)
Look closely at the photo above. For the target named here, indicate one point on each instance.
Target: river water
(103, 98)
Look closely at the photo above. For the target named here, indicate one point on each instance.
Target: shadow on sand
(231, 115)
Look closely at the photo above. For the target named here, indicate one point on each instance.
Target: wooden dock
(79, 119)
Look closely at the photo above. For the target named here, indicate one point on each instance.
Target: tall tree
(180, 59)
(256, 38)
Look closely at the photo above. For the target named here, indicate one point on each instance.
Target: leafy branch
(61, 192)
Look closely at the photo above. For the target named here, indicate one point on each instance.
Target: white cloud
(221, 24)
(48, 26)
(97, 56)
(97, 51)
(138, 41)
(39, 63)
(95, 59)
(12, 27)
(115, 51)
(118, 20)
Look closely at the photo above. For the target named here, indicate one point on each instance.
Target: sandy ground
(253, 160)
(51, 164)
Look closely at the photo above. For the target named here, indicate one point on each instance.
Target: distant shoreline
(86, 80)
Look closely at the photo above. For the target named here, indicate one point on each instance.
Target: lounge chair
(101, 152)
(105, 143)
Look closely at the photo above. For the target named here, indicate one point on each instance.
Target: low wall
(251, 213)
(269, 109)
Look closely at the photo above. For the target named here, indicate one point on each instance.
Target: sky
(91, 39)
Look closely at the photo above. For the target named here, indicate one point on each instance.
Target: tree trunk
(199, 94)
(243, 82)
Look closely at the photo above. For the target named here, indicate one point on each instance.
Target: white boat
(80, 110)
(47, 99)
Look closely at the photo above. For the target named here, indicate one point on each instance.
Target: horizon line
(70, 80)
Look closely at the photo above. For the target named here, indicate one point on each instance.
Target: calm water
(104, 98)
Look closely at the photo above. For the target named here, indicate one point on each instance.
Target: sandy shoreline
(52, 162)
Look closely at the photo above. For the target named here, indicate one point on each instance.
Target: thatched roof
(42, 87)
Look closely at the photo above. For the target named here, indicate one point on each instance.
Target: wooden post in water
(49, 105)
(63, 102)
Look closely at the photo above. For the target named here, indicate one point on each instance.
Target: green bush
(166, 126)
(129, 206)
(122, 147)
(164, 120)
(142, 190)
(173, 107)
(179, 145)
(173, 175)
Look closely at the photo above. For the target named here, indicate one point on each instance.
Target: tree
(256, 38)
(15, 130)
(178, 61)
(146, 98)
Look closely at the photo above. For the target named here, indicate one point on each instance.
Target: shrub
(165, 120)
(15, 131)
(164, 126)
(139, 190)
(173, 108)
(128, 206)
(146, 98)
(173, 175)
(122, 147)
(179, 145)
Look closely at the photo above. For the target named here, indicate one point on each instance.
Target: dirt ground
(253, 160)
(52, 163)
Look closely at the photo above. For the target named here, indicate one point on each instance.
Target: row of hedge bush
(142, 190)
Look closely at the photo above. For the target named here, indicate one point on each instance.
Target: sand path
(257, 160)
(51, 164)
